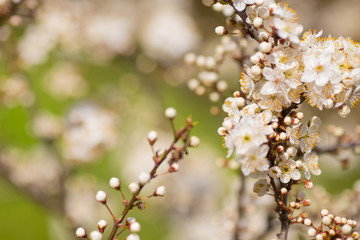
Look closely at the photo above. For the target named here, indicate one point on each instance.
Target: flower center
(319, 68)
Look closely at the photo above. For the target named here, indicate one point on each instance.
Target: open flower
(311, 164)
(260, 187)
(288, 171)
(255, 160)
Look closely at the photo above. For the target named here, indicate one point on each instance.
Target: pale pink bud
(81, 232)
(159, 191)
(101, 196)
(114, 183)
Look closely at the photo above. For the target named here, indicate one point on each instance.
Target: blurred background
(82, 82)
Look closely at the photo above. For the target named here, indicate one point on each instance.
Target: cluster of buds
(173, 154)
(332, 227)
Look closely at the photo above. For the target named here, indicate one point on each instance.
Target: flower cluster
(268, 137)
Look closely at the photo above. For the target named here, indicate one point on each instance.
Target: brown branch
(249, 28)
(336, 147)
(240, 205)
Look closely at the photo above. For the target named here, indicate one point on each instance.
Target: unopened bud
(159, 191)
(114, 183)
(309, 185)
(170, 113)
(134, 187)
(307, 202)
(152, 137)
(135, 227)
(194, 141)
(174, 167)
(95, 235)
(307, 222)
(101, 196)
(81, 232)
(143, 177)
(283, 191)
(220, 30)
(102, 224)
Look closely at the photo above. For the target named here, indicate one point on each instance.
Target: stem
(240, 205)
(250, 29)
(134, 198)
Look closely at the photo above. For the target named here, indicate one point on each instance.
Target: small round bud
(311, 232)
(159, 191)
(263, 36)
(193, 84)
(210, 62)
(114, 183)
(221, 85)
(292, 204)
(354, 224)
(190, 58)
(307, 222)
(133, 236)
(194, 141)
(102, 224)
(299, 220)
(307, 202)
(218, 7)
(135, 227)
(261, 55)
(291, 151)
(101, 196)
(283, 191)
(287, 120)
(81, 232)
(337, 220)
(259, 2)
(258, 22)
(324, 212)
(355, 235)
(309, 185)
(275, 125)
(174, 167)
(240, 102)
(143, 177)
(236, 94)
(200, 90)
(265, 47)
(170, 113)
(282, 136)
(343, 220)
(284, 157)
(332, 233)
(200, 61)
(295, 121)
(255, 70)
(130, 220)
(133, 187)
(254, 59)
(95, 235)
(220, 30)
(299, 164)
(152, 137)
(300, 115)
(319, 237)
(221, 131)
(227, 124)
(326, 220)
(346, 229)
(280, 149)
(329, 103)
(214, 96)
